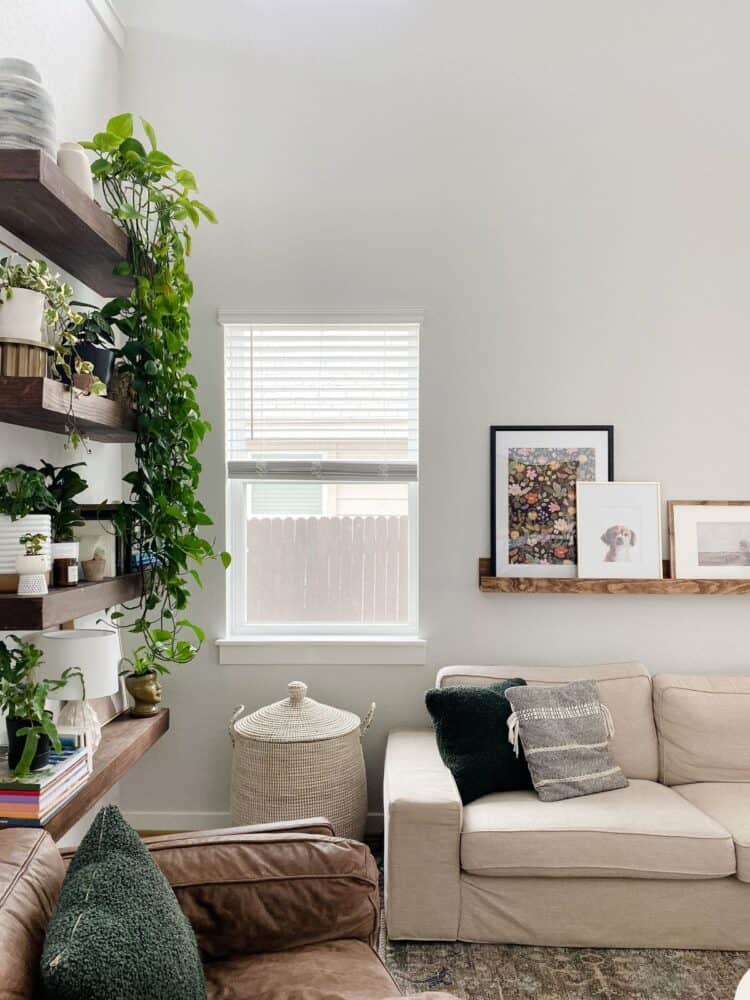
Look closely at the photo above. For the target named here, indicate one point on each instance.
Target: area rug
(513, 972)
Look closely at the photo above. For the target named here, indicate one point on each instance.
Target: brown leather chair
(279, 911)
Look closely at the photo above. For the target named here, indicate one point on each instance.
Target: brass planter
(145, 690)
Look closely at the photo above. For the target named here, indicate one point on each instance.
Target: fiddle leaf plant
(152, 198)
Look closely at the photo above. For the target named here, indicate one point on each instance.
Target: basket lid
(297, 719)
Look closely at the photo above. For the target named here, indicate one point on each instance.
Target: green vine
(151, 197)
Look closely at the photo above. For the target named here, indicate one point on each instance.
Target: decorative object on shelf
(97, 531)
(32, 567)
(619, 531)
(23, 358)
(96, 655)
(32, 296)
(65, 572)
(120, 387)
(33, 800)
(94, 569)
(296, 758)
(31, 730)
(142, 682)
(152, 198)
(74, 163)
(709, 539)
(22, 496)
(533, 494)
(27, 114)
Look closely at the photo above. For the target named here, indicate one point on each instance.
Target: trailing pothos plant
(152, 198)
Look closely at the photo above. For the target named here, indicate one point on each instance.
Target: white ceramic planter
(66, 550)
(21, 315)
(72, 160)
(11, 548)
(31, 565)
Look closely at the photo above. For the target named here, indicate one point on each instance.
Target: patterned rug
(512, 972)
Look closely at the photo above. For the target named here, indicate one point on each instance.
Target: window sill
(336, 650)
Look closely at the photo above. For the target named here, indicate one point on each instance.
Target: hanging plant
(152, 198)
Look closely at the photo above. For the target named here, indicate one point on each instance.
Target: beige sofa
(662, 863)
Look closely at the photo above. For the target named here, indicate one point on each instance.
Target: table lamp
(96, 653)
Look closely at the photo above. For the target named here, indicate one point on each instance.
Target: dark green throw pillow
(471, 725)
(118, 932)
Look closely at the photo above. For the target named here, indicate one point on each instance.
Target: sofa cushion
(469, 725)
(729, 804)
(31, 873)
(564, 734)
(625, 688)
(704, 728)
(333, 970)
(643, 831)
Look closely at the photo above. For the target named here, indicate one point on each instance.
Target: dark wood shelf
(572, 585)
(43, 207)
(124, 741)
(63, 604)
(44, 404)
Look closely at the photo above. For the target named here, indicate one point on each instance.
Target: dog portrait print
(619, 541)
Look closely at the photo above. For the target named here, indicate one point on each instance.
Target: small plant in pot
(91, 349)
(23, 699)
(63, 484)
(142, 681)
(24, 505)
(31, 297)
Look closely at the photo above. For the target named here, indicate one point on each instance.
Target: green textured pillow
(471, 725)
(118, 932)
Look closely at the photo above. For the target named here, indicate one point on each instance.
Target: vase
(21, 314)
(27, 114)
(72, 160)
(10, 545)
(16, 744)
(94, 569)
(145, 691)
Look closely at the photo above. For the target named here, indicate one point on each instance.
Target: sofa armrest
(423, 816)
(246, 891)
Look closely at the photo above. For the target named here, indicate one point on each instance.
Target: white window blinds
(336, 403)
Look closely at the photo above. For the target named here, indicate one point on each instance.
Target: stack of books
(34, 800)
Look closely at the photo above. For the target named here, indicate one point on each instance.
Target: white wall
(564, 189)
(80, 66)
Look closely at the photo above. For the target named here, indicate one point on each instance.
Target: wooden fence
(320, 569)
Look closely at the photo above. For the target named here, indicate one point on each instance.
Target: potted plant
(94, 345)
(32, 566)
(23, 698)
(142, 681)
(30, 295)
(24, 505)
(64, 484)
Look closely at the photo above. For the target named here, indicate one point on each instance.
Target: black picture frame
(609, 429)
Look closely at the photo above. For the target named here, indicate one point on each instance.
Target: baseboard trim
(179, 821)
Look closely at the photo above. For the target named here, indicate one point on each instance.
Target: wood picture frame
(713, 548)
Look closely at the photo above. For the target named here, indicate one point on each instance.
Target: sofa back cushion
(704, 728)
(625, 688)
(31, 873)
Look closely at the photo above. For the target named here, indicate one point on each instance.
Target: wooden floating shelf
(124, 741)
(63, 604)
(44, 404)
(571, 585)
(43, 207)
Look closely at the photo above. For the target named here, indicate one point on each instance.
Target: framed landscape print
(533, 475)
(709, 539)
(619, 531)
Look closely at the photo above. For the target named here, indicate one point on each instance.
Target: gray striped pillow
(564, 731)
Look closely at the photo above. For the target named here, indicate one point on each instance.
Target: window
(322, 459)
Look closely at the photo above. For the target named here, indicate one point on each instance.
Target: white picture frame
(709, 539)
(619, 531)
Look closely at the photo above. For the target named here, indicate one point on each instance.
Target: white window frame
(236, 526)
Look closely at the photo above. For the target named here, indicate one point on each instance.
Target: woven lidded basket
(298, 758)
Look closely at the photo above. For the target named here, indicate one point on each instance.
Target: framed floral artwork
(709, 539)
(533, 475)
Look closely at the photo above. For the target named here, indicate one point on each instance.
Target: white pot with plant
(32, 567)
(24, 499)
(33, 301)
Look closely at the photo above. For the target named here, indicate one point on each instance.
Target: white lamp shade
(93, 651)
